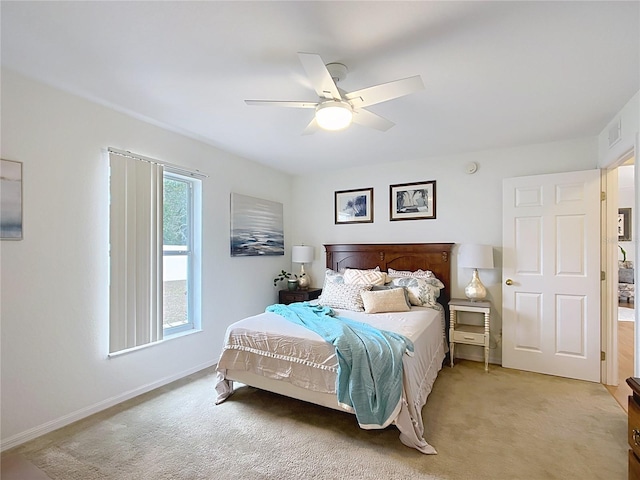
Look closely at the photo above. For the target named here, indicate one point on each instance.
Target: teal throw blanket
(369, 361)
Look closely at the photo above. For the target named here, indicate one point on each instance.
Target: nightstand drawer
(634, 426)
(467, 335)
(290, 296)
(634, 466)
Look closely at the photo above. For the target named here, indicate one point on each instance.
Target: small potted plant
(291, 278)
(624, 263)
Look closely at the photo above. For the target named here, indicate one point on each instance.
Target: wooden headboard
(399, 256)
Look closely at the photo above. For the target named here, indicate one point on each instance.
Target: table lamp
(302, 254)
(475, 256)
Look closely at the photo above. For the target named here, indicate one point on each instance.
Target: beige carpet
(505, 424)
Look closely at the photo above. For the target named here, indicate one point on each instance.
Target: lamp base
(304, 280)
(475, 291)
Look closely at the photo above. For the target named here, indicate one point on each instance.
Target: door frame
(609, 256)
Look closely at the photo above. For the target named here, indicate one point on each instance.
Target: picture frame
(10, 200)
(257, 226)
(412, 201)
(624, 224)
(354, 206)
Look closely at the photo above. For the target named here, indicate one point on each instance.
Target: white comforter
(271, 346)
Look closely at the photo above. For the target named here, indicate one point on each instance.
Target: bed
(269, 352)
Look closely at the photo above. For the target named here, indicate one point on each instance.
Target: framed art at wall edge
(354, 206)
(624, 224)
(10, 200)
(412, 201)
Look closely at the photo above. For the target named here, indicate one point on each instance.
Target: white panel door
(551, 274)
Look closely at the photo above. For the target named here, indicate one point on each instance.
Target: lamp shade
(475, 256)
(302, 254)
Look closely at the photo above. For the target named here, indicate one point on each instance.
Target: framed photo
(624, 224)
(354, 206)
(10, 200)
(412, 201)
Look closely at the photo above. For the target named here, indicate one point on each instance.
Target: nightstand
(290, 296)
(633, 428)
(469, 334)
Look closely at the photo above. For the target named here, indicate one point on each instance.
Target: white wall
(54, 290)
(469, 208)
(629, 120)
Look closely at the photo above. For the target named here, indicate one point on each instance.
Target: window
(178, 269)
(155, 216)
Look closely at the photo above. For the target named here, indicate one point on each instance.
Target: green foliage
(175, 212)
(624, 253)
(283, 275)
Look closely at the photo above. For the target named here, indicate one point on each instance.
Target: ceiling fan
(336, 109)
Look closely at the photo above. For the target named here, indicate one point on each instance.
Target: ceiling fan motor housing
(338, 71)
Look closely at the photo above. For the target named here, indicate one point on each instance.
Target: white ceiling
(497, 74)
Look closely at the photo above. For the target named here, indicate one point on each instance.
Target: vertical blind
(135, 251)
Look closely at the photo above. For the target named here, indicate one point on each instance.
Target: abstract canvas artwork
(257, 226)
(10, 200)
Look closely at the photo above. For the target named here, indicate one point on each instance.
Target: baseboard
(476, 357)
(47, 427)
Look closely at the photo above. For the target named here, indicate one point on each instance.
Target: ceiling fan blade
(385, 91)
(278, 103)
(320, 77)
(369, 119)
(311, 128)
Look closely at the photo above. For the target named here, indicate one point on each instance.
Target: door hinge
(603, 275)
(603, 196)
(603, 356)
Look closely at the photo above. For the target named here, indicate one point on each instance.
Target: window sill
(148, 345)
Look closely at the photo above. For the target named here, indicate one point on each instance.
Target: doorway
(626, 264)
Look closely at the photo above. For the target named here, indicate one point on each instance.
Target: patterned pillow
(333, 276)
(423, 274)
(391, 300)
(365, 277)
(343, 295)
(421, 292)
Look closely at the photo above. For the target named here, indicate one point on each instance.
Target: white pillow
(343, 295)
(389, 287)
(365, 277)
(421, 292)
(380, 301)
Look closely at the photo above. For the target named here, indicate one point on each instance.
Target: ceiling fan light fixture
(334, 115)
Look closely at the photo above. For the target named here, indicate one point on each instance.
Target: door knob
(509, 281)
